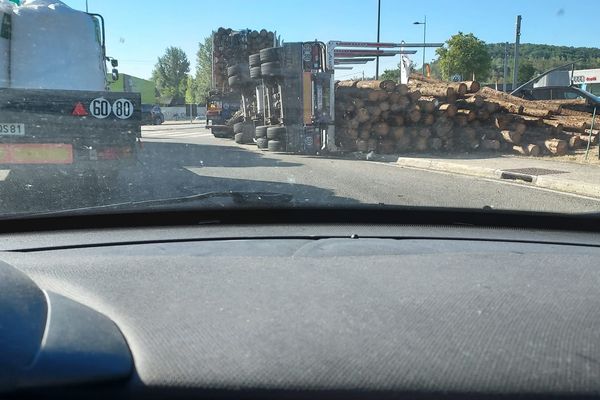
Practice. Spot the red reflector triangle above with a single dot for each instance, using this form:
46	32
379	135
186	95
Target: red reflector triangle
79	110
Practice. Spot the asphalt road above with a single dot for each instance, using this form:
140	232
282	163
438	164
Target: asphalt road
185	159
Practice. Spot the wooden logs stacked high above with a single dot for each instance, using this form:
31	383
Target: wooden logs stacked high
234	47
431	115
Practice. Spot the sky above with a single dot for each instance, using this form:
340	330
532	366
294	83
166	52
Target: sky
139	31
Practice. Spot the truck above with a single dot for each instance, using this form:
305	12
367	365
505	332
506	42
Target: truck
231	96
288	92
57	115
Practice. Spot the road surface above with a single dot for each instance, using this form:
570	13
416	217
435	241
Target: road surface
185	159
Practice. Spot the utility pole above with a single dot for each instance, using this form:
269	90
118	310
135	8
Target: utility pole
517	42
378	29
424	41
86	6
505	67
424	23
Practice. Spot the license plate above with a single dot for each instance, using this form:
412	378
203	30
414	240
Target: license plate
36	153
12	129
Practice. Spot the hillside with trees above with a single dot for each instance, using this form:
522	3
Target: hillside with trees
534	59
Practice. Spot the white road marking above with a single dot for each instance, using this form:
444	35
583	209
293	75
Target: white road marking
4	174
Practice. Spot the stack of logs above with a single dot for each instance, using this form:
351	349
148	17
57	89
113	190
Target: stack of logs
232	47
431	115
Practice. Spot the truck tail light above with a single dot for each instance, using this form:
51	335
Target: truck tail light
115	153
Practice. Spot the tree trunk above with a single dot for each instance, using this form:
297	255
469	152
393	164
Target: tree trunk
556	146
472	86
414	116
380	85
401	89
351	84
511	136
448	109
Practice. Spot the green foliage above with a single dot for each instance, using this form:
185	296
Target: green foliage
190	90
526	71
170	73
542	57
203	76
390	74
465	55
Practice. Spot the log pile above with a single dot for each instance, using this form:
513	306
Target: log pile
234	47
431	115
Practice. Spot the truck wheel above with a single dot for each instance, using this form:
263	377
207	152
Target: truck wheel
262	143
255	73
270	54
271	69
238	127
238	69
261	131
236	81
222	132
275	145
254	60
276	132
243	138
239	138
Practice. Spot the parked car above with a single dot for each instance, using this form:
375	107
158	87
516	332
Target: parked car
152	115
554	91
561	93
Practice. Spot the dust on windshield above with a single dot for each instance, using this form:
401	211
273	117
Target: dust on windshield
296	104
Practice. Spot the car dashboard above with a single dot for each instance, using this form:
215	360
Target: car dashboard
300	311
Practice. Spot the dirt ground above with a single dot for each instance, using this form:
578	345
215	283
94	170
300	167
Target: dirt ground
578	156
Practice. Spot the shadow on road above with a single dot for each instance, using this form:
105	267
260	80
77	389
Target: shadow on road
228	156
159	174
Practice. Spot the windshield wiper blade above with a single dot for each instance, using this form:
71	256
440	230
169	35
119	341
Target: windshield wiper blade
259	199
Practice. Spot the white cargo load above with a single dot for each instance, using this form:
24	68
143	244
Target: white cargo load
53	47
6	12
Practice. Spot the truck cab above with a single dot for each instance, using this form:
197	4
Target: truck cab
56	114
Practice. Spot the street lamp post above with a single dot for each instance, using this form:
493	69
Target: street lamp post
424	23
378	31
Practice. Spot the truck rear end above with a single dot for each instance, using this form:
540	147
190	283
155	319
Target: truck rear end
68	131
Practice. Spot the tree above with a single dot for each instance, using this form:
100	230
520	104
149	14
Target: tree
190	90
203	70
170	73
394	74
526	72
390	75
465	55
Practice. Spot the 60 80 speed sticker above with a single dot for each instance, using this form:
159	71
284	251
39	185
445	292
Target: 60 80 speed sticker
100	108
121	108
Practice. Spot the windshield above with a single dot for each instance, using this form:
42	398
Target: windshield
108	104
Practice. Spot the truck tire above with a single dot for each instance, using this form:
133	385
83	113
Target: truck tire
270	54
276	132
238	127
243	138
254	60
237	81
271	69
222	132
262	143
261	131
255	73
238	69
275	145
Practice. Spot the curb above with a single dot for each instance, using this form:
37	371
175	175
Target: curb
543	181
